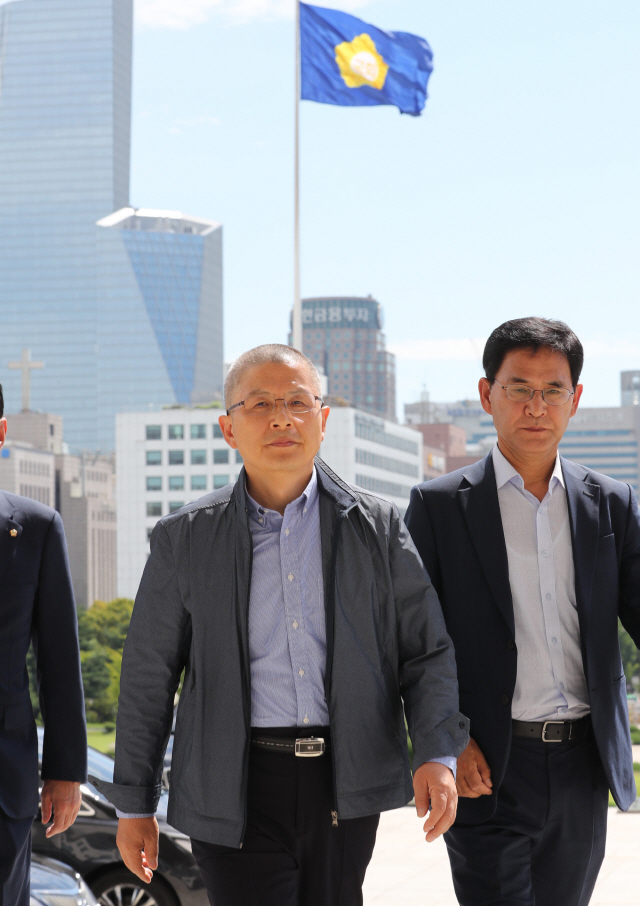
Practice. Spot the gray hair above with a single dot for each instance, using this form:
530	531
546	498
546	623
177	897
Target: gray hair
275	353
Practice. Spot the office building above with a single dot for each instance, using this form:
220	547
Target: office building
65	115
374	453
85	499
344	338
125	308
28	472
630	388
606	440
165	459
160	298
41	430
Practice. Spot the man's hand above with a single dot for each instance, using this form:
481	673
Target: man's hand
63	799
474	774
434	781
137	841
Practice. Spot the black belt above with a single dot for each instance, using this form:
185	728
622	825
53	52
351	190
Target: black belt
305	747
552	730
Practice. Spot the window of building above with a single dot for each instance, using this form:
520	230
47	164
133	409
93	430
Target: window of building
176	482
238	457
219	481
220	457
176	432
154	458
176	457
154	509
154	483
198	457
175	505
217	432
198	482
154	432
198	432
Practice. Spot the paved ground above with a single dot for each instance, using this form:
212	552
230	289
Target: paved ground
406	870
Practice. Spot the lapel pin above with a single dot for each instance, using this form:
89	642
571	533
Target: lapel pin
14	533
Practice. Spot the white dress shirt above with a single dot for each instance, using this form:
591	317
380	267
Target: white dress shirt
550	681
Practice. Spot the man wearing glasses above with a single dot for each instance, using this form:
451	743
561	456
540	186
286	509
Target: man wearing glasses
534	558
303	618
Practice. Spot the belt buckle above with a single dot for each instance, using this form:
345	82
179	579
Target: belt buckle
311	747
544	730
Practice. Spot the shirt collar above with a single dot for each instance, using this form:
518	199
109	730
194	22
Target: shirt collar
260	514
505	472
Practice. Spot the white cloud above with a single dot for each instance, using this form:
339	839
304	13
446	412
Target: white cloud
183	14
449	350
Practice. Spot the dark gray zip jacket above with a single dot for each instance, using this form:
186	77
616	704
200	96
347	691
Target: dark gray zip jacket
386	644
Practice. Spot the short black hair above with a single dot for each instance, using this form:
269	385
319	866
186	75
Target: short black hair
1	402
532	333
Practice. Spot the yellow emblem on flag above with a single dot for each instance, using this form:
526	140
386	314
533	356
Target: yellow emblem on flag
360	63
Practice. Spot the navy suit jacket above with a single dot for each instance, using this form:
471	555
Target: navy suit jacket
456	525
36	604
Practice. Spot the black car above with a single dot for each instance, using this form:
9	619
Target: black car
89	847
55	884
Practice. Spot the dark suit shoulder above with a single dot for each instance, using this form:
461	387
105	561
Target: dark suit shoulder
611	487
208	501
26	508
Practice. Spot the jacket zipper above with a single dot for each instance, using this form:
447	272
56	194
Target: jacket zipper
247	703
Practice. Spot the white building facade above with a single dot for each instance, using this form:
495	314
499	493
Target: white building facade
171	457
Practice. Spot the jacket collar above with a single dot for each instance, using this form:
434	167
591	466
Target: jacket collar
329	484
583	498
478	495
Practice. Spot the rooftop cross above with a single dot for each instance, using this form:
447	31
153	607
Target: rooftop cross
26	366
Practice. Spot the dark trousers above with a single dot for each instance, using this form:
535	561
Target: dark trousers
545	843
292	855
15	860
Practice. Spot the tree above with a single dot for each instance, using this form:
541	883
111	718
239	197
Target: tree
629	653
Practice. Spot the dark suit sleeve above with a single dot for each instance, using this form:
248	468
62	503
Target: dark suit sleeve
55	642
427	667
629	606
421	531
153	658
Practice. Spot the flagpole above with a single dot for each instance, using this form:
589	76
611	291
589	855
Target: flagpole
297	301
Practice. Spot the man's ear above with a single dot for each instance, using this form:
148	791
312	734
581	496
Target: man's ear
3	430
226	426
484	389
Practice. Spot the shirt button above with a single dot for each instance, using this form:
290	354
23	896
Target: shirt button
290	577
554	640
548	596
505	699
260	520
545	553
295	624
305	720
562	710
301	672
561	685
286	531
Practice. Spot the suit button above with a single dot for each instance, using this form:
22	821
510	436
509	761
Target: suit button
462	725
511	644
505	699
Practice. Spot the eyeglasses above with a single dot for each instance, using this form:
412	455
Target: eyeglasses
553	396
297	402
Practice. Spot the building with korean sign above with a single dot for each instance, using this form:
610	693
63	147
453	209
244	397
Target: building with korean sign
344	337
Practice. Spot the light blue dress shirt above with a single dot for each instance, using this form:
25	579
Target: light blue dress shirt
550	680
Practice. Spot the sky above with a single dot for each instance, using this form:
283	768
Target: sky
515	193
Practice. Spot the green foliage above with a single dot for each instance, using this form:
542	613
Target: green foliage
102	630
33	685
629	652
635	737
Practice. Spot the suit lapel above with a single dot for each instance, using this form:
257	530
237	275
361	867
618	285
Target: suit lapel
479	500
8	542
583	499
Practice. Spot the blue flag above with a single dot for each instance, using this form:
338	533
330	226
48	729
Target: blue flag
352	64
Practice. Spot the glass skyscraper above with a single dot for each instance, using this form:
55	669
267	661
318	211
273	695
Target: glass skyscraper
123	308
65	96
160	312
